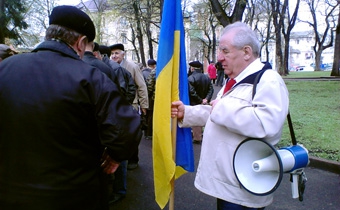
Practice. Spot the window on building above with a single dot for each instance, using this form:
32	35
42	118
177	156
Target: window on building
123	22
124	39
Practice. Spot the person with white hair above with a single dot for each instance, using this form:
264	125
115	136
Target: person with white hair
234	116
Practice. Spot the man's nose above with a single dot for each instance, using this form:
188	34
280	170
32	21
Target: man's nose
219	57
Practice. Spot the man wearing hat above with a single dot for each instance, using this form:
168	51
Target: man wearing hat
5	52
63	124
151	89
91	59
123	76
151	65
141	99
200	92
140	103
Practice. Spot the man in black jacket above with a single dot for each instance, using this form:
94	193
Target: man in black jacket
62	122
123	77
200	92
220	74
91	59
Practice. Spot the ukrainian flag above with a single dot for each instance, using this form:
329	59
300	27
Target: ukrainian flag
171	85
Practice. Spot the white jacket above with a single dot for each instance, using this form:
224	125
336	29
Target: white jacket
234	118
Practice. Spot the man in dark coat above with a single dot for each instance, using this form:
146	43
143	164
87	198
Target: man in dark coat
63	125
90	58
220	74
200	92
151	84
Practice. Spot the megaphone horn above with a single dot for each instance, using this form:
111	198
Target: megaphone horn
259	167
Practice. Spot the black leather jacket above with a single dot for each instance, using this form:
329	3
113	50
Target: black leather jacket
200	87
123	79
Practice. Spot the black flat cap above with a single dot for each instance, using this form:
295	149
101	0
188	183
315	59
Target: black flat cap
95	47
103	49
73	18
195	64
117	46
151	62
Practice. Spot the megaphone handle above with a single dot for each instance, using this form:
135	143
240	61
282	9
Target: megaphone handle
291	129
295	185
302	185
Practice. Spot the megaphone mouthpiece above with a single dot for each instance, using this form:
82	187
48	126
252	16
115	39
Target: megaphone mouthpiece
266	164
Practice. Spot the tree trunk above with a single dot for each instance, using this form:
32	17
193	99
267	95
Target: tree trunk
291	24
278	41
336	60
148	31
139	32
318	60
286	57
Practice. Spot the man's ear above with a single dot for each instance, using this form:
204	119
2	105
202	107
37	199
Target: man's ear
248	51
81	45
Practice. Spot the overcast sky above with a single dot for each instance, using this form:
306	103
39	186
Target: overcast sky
299	27
67	2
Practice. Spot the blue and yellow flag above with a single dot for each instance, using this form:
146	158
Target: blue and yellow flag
171	85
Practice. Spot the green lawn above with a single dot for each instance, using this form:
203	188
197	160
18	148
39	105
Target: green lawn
297	74
315	112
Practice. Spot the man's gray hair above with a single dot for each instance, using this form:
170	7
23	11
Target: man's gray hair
245	37
62	33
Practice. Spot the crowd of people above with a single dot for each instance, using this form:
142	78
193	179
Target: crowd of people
73	113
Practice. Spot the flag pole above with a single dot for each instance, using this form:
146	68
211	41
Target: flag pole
172	182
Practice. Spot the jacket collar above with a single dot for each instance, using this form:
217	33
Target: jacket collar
58	46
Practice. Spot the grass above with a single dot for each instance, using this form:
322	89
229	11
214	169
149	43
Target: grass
315	112
297	74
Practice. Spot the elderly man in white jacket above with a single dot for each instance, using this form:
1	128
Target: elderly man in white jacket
234	116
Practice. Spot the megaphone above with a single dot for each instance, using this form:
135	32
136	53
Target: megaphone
259	167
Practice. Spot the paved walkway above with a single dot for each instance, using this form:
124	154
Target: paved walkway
322	189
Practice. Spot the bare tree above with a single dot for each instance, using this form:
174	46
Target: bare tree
277	21
36	17
213	26
203	28
281	20
323	39
142	15
96	10
259	17
137	14
220	11
150	16
291	20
